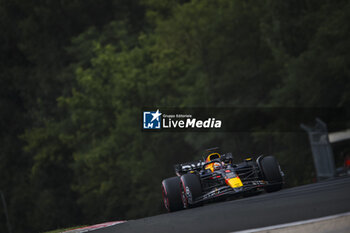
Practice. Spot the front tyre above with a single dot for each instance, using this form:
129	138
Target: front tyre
172	194
191	189
272	173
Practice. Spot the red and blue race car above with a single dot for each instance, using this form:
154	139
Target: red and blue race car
217	177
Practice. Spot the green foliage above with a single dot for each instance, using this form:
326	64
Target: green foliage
76	75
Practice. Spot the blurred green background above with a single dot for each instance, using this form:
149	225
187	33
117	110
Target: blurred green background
75	75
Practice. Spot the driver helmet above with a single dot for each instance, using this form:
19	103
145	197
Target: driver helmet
216	166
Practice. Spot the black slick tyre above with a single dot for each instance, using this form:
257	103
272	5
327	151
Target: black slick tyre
271	173
191	189
171	188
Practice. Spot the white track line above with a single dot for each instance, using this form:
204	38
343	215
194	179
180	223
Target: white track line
293	223
93	227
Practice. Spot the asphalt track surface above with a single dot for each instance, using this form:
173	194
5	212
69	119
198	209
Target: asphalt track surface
288	205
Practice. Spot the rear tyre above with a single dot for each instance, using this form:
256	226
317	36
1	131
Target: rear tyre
172	194
271	173
191	189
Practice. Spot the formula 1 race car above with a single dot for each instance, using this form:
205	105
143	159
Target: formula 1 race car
218	177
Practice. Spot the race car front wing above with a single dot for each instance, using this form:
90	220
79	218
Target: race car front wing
228	191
